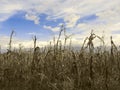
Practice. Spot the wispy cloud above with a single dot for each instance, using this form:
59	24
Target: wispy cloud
33	33
54	29
34	18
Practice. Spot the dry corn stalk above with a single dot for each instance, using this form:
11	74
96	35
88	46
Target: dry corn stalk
113	46
34	39
10	42
62	29
90	39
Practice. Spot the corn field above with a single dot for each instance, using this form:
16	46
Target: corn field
59	67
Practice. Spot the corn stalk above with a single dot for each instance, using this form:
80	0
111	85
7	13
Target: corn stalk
10	42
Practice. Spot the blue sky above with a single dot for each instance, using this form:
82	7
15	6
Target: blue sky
43	19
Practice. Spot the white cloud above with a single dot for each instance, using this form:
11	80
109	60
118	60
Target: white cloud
32	18
71	20
54	29
34	33
110	15
8	9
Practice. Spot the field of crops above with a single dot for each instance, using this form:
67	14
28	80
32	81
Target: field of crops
61	68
